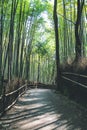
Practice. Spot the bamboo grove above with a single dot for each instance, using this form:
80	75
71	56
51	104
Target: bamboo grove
27	37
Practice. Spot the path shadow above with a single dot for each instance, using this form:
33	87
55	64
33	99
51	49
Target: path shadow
46	110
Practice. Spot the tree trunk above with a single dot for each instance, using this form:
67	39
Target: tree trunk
65	31
18	40
77	28
11	37
23	42
1	34
57	45
21	55
38	76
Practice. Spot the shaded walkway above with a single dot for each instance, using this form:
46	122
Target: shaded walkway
41	109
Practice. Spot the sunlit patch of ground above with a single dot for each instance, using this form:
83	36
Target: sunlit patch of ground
41	109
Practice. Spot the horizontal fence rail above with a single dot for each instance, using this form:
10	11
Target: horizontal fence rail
75	74
75	87
74	82
76	78
9	99
15	90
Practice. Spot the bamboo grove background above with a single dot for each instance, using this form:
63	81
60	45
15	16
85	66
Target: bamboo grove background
27	38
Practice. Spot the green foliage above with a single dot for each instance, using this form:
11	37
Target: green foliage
34	33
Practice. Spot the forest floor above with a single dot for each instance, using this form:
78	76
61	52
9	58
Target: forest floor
43	109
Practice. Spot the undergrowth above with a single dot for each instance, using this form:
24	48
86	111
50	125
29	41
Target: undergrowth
75	67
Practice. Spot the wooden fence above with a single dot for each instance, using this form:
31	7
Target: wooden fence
9	99
75	86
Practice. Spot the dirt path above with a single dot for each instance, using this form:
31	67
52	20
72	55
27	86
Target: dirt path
41	109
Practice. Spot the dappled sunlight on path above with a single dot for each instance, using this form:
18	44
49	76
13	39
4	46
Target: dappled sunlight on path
41	109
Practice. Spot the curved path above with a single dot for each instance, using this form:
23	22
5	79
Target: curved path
41	109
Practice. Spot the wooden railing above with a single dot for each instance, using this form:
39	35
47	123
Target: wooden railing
9	99
74	86
75	74
76	78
